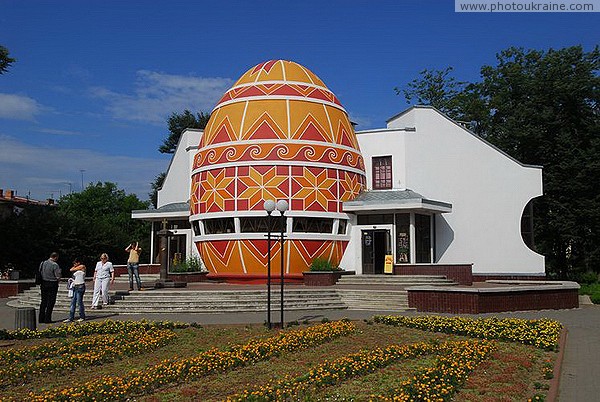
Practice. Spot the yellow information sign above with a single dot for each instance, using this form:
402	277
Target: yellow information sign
388	268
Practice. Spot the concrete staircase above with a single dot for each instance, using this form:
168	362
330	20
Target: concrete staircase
356	292
395	281
195	301
382	292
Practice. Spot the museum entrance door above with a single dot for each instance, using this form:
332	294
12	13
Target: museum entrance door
375	246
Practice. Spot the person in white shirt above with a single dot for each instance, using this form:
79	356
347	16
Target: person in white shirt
78	287
104	275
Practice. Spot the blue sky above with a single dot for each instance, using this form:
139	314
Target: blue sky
95	81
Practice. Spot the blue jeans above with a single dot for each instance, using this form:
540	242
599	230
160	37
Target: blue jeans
78	292
133	269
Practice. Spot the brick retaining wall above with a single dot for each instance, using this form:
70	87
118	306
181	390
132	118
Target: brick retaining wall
13	288
515	296
144	269
460	273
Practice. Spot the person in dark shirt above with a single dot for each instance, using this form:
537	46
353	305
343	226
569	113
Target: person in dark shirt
50	273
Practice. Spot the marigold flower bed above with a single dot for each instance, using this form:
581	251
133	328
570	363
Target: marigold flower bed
171	372
439	381
543	333
21	365
89	328
375	362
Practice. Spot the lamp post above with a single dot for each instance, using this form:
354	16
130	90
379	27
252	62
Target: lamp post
163	234
269	207
282	206
82	170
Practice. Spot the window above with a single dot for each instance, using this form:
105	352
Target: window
312	225
196	226
183	224
527	225
376	219
342	226
402	238
258	224
423	238
382	172
218	226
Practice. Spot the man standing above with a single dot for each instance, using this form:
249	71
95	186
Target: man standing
51	273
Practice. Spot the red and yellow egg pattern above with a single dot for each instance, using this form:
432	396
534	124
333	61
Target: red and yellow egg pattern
278	133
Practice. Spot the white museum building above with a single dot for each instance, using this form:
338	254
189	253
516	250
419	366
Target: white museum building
436	194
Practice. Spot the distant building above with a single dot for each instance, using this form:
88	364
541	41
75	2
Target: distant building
11	203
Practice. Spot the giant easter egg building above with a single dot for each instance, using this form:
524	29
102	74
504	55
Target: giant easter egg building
277	134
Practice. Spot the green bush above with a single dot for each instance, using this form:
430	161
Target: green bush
192	264
593	290
321	264
588	277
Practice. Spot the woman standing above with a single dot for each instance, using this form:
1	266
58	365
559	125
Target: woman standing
133	264
78	270
104	275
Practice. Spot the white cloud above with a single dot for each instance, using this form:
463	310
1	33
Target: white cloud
157	95
67	133
18	107
46	171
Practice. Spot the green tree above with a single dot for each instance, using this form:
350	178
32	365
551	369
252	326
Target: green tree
28	236
98	220
437	88
5	60
542	108
177	124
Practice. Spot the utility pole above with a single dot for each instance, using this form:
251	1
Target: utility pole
82	170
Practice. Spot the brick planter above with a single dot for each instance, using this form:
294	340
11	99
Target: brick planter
321	278
144	269
507	296
12	288
187	277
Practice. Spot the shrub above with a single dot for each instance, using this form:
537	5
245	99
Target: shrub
593	290
588	277
192	264
321	264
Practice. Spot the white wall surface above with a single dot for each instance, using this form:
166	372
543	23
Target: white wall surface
177	184
487	189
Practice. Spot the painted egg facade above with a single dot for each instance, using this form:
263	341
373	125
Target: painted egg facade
279	133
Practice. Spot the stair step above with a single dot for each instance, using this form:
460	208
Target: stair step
387	295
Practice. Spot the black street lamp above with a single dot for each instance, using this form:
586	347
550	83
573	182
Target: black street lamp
269	207
282	206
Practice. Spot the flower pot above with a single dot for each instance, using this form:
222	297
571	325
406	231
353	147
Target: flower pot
321	278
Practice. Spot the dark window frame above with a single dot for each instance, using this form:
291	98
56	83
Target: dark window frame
306	224
382	172
259	224
342	226
218	226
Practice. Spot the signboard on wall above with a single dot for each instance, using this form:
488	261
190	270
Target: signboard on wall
388	268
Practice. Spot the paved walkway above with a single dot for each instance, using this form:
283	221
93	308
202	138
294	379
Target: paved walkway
580	375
